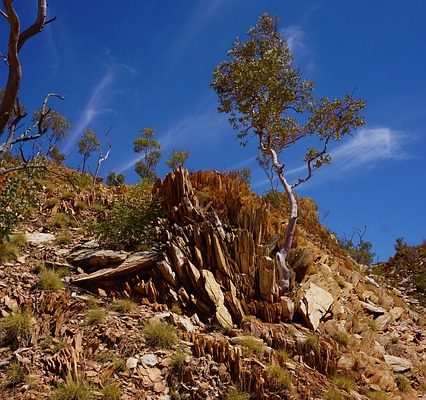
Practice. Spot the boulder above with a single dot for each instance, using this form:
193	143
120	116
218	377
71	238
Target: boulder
38	237
92	260
314	303
398	364
373	309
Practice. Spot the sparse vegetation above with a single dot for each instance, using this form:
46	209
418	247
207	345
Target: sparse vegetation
8	252
282	355
372	324
178	362
111	391
18	239
16	374
131	220
94	316
341	337
280	375
74	390
92	302
403	383
60	220
252	346
344	382
159	334
15	328
312	341
236	394
63	237
377	395
49	279
332	394
124	306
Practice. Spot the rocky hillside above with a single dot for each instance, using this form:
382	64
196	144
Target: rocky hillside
199	315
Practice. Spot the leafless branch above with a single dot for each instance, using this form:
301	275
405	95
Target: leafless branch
101	157
4	15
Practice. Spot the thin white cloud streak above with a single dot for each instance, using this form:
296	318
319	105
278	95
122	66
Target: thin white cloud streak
367	148
94	107
295	38
189	130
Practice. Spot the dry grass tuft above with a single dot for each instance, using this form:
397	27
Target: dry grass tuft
50	280
281	376
236	394
124	306
252	346
111	391
15	328
94	316
74	390
159	334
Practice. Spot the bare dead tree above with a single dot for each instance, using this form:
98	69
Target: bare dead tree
101	157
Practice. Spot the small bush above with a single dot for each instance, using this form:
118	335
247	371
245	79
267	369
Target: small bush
49	279
403	383
332	394
235	394
74	390
124	306
280	375
60	220
160	334
15	375
16	327
252	346
344	382
111	391
178	362
8	252
94	316
131	221
341	337
63	237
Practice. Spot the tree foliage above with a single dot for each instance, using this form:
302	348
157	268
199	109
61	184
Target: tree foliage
151	153
266	96
177	159
88	143
114	179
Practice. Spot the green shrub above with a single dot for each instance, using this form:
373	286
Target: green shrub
332	394
15	375
124	306
360	252
280	375
111	391
18	196
74	390
49	279
236	394
16	327
131	221
94	316
251	346
159	334
343	382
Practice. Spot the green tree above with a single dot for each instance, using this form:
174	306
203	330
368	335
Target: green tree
114	179
88	143
56	155
265	95
177	159
359	249
151	153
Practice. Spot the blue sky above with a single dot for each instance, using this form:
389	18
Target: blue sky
138	64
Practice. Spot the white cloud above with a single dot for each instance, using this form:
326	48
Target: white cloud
191	129
364	150
94	107
295	38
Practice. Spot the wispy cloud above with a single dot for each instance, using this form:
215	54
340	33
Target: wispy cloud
367	148
296	38
191	129
94	107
